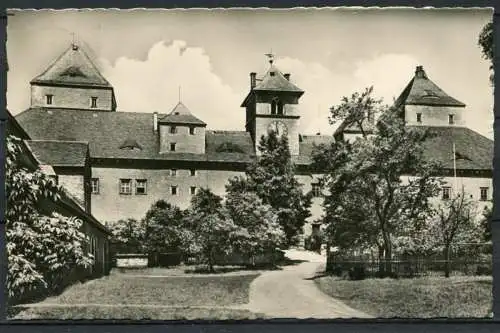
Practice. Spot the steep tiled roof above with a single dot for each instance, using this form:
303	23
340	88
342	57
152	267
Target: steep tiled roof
306	146
473	151
181	115
59	153
274	80
106	132
73	67
422	91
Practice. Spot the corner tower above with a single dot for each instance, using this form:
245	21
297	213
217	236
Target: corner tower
73	81
422	102
271	104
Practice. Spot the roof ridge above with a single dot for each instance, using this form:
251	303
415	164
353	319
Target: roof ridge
61	141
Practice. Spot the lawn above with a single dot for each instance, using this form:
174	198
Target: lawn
414	298
155	297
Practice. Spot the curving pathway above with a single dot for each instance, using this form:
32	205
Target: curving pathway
291	293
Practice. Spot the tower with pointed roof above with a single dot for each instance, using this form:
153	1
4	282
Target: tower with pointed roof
423	103
272	104
73	81
181	132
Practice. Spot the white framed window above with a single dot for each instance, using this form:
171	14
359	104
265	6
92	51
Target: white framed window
483	193
419	117
94	182
191	130
173	172
192	190
125	186
451	119
93	102
192	172
141	186
446	193
316	189
173	190
49	99
173	129
172	146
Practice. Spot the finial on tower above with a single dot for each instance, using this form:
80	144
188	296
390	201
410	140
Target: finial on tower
74	45
270	56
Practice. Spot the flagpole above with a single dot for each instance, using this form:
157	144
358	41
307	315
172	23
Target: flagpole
455	167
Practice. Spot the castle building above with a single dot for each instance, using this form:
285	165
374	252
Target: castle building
136	159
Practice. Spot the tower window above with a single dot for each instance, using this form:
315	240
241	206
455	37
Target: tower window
451	119
280	108
95	185
483	194
172	146
419	117
193	172
141	186
49	99
193	190
275	105
125	186
173	129
191	130
173	172
173	190
93	102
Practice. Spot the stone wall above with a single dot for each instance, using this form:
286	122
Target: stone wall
434	115
70	97
184	141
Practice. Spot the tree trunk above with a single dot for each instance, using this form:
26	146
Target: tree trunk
387	253
447	267
381	267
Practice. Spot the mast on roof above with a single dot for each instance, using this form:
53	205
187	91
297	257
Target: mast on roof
270	56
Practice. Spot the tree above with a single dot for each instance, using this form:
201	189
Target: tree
455	221
164	228
42	246
128	236
258	230
209	229
486	223
485	41
272	178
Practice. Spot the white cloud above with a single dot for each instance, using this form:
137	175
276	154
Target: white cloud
153	85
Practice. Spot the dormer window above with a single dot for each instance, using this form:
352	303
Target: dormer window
451	119
173	129
272	73
93	102
130	144
419	118
49	99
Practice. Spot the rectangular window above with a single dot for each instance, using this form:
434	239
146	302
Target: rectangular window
173	190
191	130
316	189
49	99
193	190
140	186
173	172
192	172
173	129
95	185
125	186
451	119
419	117
172	147
93	102
446	193
484	194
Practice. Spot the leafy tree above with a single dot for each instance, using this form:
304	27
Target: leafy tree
128	236
272	178
485	41
258	231
209	229
454	222
164	224
42	246
486	223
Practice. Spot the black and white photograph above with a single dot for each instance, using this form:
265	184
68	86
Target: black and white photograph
245	164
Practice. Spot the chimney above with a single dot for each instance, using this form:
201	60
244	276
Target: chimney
287	76
155	121
253	80
419	72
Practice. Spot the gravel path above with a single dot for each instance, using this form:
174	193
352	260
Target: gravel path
291	292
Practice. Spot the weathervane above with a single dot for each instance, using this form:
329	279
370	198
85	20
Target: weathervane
270	55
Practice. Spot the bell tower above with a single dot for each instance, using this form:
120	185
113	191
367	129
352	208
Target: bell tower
272	104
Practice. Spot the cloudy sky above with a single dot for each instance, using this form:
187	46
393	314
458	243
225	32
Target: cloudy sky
146	55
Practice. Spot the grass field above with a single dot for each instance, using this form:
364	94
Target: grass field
120	296
414	298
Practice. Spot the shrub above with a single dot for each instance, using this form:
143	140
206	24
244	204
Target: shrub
484	269
357	272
